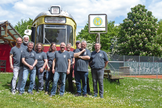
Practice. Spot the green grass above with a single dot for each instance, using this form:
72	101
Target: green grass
131	93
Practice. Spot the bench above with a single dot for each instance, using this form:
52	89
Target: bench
3	65
125	70
110	77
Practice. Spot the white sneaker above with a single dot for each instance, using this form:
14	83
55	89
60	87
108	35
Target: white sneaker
73	81
13	92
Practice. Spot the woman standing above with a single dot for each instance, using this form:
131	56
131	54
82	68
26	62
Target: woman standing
50	57
42	62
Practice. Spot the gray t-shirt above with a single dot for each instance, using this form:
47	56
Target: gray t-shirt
50	57
25	46
30	57
40	58
61	64
16	52
80	64
71	56
98	60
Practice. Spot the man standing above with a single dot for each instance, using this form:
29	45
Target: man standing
68	47
98	62
81	68
61	66
29	60
15	53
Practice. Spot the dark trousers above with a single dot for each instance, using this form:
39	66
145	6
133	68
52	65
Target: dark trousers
70	78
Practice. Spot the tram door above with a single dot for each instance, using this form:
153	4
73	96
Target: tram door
55	33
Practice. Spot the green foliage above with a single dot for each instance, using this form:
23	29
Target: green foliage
137	35
21	26
159	31
105	39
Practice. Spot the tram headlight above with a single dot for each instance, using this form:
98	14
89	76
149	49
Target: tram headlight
55	9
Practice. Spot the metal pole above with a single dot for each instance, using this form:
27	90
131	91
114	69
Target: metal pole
98	38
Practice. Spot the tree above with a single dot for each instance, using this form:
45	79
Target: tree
21	26
159	31
137	35
105	39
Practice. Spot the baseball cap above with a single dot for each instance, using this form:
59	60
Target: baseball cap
77	41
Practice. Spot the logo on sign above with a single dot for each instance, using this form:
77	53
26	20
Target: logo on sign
97	21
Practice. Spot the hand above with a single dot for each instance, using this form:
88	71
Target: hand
11	67
41	70
31	67
83	50
53	71
48	68
68	71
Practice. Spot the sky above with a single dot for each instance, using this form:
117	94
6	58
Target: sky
116	10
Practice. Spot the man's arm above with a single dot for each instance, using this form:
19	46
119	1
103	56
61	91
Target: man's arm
76	55
69	63
53	66
106	64
25	63
11	66
84	57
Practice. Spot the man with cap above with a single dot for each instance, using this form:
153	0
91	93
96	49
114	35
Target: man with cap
98	62
82	56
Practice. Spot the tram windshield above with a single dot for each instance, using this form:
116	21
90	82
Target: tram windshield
55	33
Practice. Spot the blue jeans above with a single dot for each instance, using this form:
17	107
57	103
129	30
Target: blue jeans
25	77
49	75
83	76
55	80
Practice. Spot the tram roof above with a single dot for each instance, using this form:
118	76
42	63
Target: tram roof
8	33
47	13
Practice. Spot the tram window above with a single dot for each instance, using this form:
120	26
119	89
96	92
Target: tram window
70	34
55	35
39	34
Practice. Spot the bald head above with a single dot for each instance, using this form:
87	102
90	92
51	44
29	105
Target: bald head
18	42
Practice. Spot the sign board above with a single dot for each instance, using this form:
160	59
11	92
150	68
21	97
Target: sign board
28	32
55	20
97	23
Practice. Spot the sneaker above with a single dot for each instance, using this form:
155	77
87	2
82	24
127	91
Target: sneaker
31	93
89	93
51	95
13	92
85	95
95	95
46	93
73	81
77	94
20	93
61	95
101	96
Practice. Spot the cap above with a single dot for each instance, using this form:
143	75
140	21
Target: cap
77	41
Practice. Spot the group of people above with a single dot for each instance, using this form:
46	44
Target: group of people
60	65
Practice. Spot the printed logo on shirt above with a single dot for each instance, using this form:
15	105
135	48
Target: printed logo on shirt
100	55
21	51
85	53
39	56
64	56
32	54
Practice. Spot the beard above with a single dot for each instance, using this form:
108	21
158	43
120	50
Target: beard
25	42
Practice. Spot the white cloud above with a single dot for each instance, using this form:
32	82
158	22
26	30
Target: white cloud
156	8
79	9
